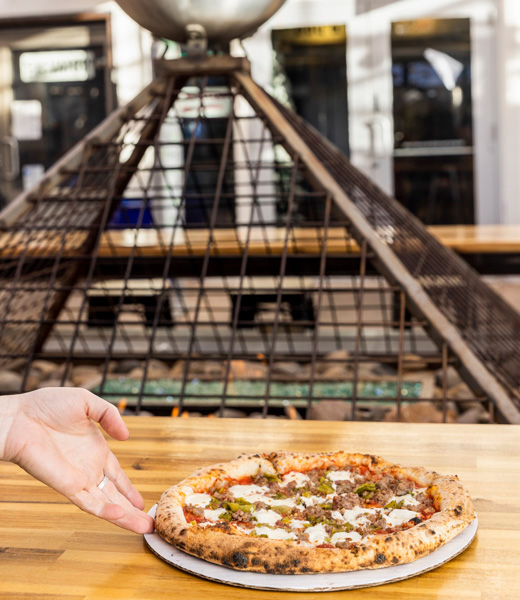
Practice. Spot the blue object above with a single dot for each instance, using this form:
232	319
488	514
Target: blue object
127	214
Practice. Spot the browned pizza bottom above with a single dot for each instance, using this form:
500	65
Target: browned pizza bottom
222	545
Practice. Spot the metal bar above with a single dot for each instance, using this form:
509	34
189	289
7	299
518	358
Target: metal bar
387	261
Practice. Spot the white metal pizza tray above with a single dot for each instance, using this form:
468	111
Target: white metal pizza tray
323	582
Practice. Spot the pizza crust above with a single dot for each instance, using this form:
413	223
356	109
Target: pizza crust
224	545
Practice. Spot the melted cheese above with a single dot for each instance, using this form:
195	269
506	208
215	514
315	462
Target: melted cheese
398	516
199	500
247	491
357	515
297	524
213	515
407	500
336	515
275	534
270	517
300	478
343	535
340	476
317	534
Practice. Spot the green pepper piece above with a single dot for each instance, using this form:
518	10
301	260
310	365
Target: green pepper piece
244	501
366	487
246	507
271	477
286	520
307	494
327	506
279	496
282	509
233	506
227	516
394	504
214	503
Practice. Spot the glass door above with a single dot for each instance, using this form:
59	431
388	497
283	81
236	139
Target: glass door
422	105
55	89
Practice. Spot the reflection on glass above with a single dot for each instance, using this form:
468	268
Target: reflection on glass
433	132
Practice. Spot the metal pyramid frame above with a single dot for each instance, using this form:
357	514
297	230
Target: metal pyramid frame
253	239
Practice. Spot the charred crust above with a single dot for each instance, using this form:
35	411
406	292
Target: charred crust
458	510
388	539
183	531
432	531
380	559
395	560
256	561
416	520
306	570
295	562
240	560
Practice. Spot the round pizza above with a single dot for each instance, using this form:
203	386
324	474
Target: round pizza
312	513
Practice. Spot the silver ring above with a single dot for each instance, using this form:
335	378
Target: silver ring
103	483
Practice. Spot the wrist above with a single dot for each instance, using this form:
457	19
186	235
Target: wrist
9	406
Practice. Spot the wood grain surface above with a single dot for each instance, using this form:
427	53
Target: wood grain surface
50	549
465	239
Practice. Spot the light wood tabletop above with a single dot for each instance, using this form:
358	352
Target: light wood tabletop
464	239
50	549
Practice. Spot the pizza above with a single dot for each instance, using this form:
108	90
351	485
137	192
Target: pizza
290	513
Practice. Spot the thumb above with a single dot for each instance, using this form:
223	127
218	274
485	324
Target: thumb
107	416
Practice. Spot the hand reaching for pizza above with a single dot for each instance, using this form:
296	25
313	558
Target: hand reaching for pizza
51	433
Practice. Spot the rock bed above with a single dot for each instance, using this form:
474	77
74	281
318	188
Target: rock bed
289	389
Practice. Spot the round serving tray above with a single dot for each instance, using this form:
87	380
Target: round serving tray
323	582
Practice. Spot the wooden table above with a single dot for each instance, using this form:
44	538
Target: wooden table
49	549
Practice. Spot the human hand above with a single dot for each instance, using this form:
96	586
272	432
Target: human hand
51	434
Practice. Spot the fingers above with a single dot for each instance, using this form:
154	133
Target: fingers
107	416
112	506
123	484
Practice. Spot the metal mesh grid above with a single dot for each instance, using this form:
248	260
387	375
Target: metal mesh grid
195	241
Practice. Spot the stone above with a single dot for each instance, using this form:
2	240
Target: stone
461	392
125	366
45	366
214	369
337	372
330	410
336	357
10	382
288	369
419	412
474	415
18	365
55	383
244	369
383	370
370	413
414	362
91	384
230	413
82	373
452	377
137	373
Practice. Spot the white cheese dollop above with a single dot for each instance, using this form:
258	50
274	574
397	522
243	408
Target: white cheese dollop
269	517
296	524
300	478
199	500
275	534
343	535
357	515
336	515
213	515
407	500
245	491
340	476
317	534
399	516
